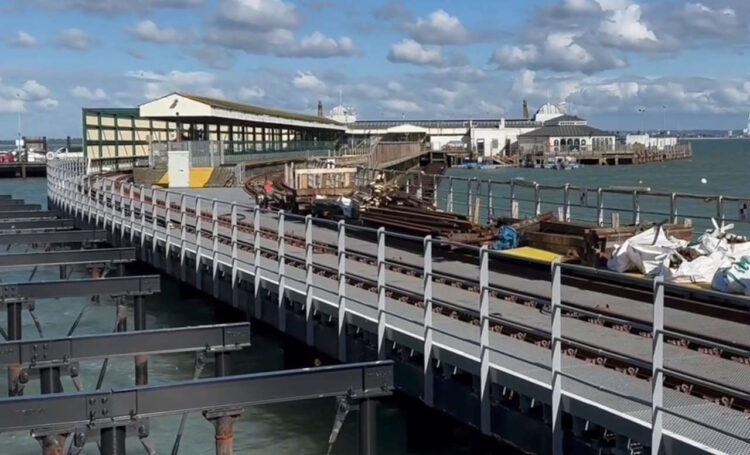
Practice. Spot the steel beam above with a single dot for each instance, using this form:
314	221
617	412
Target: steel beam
68	257
359	381
17	204
27	214
53	237
38	353
126	285
60	223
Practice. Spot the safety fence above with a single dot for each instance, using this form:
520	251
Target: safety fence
520	198
460	314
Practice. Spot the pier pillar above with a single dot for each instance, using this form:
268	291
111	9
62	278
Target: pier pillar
52	444
113	441
15	328
368	428
139	322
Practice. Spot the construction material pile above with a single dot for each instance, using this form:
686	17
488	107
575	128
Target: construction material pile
718	259
421	222
589	245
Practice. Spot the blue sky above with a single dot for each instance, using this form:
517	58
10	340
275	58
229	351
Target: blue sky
605	59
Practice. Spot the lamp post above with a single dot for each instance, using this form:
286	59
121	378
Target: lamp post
642	110
18	141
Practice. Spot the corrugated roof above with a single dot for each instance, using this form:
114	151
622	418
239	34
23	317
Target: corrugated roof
457	123
566	131
257	110
564	118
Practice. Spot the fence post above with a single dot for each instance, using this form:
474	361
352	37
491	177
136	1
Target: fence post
198	242
183	235
657	367
556	345
420	190
381	293
408	183
234	278
537	200
281	272
490	201
673	208
636	208
429	380
215	248
154	224
484	342
566	202
142	190
449	202
132	212
167	230
310	335
469	197
513	199
342	290
256	263
435	191
599	207
720	210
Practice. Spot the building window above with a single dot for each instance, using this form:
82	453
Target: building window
557	142
583	142
577	142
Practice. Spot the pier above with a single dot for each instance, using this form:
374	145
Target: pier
554	359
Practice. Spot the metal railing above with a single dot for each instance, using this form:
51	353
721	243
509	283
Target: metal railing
519	198
142	214
221	153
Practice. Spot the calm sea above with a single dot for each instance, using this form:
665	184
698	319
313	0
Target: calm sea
724	164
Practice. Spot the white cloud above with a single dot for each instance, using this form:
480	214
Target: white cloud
160	84
34	90
395	86
398	105
624	29
410	51
84	93
47	104
115	6
524	83
318	45
147	30
259	14
308	81
560	51
22	39
251	93
74	39
31	95
214	56
438	28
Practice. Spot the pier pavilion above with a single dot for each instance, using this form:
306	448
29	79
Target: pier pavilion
115	133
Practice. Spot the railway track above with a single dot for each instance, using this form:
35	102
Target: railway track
723	395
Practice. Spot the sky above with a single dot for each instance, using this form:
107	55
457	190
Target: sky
621	64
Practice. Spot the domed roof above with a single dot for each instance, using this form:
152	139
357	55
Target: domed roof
343	114
548	112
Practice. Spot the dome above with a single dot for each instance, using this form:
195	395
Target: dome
547	112
342	114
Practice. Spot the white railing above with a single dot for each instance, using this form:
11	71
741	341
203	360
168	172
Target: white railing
595	205
137	213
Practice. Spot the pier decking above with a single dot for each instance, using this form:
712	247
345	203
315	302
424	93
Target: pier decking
356	294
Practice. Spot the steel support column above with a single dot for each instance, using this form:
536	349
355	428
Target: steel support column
368	427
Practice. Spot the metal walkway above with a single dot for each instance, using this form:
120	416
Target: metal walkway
380	300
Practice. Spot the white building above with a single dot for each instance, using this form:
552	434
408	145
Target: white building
659	142
565	134
747	130
343	114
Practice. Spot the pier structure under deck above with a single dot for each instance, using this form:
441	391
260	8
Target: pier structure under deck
546	362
